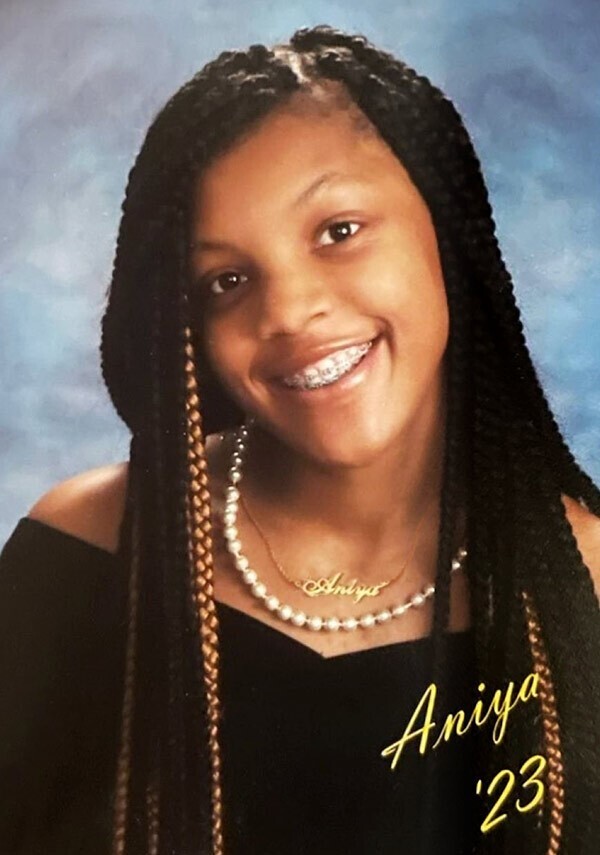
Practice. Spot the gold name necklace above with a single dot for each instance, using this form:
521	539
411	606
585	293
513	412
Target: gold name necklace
334	584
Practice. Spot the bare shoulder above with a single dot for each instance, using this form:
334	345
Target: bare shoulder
586	529
90	506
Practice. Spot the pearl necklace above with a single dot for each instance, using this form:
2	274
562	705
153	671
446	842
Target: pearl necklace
285	612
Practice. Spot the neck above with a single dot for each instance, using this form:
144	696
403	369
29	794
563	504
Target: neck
375	506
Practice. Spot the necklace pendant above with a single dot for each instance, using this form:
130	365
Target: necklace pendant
330	585
335	586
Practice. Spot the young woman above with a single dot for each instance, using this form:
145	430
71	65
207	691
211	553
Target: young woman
345	485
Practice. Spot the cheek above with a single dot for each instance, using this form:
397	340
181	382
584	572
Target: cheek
426	303
406	288
410	304
229	356
428	317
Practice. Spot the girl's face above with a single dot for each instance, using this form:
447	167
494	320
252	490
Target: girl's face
325	312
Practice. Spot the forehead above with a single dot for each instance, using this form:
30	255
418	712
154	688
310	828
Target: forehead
272	165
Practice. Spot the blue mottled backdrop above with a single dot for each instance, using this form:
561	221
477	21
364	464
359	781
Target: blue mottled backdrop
82	79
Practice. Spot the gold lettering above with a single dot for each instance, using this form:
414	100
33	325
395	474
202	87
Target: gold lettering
395	748
534	679
502	704
361	592
335	585
505	708
328	583
446	731
479	721
310	587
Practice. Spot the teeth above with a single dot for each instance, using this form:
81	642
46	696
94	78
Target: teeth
328	370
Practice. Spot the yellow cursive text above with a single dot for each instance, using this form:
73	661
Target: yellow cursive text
329	585
501	706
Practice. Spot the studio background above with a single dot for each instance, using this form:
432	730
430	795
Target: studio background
81	82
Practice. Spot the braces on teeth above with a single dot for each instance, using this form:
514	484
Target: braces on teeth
328	370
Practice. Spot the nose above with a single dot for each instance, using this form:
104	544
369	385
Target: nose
291	301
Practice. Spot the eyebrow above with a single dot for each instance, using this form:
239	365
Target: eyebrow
324	179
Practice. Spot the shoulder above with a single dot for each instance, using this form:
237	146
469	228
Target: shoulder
90	506
586	530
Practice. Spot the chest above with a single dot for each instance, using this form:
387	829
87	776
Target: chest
415	623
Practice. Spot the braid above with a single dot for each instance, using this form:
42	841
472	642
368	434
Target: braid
152	816
173	776
199	529
505	458
552	740
152	788
121	798
452	490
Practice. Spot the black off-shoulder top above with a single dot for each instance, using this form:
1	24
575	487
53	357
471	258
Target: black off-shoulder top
301	735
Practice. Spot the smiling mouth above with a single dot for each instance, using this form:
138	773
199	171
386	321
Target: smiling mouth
328	370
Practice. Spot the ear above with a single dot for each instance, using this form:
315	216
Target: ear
586	529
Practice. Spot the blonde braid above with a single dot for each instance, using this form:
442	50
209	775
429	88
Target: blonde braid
201	569
124	757
152	814
550	726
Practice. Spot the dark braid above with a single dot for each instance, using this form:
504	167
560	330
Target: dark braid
171	596
130	549
505	461
452	495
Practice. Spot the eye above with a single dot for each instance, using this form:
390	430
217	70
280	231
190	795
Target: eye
339	232
225	282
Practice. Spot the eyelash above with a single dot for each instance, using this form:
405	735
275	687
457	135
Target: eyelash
208	283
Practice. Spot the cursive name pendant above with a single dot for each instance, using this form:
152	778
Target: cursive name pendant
334	585
330	585
285	612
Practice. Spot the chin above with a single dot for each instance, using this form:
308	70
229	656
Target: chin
341	449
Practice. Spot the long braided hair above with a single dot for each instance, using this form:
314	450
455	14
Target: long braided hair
502	443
